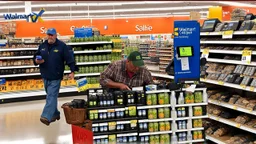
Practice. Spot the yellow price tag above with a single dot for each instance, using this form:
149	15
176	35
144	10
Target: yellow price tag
238	125
112	123
133	123
246	53
220	82
207	33
245	31
206	51
230	32
112	138
252	88
218	119
243	86
111	110
235	107
93	111
116	50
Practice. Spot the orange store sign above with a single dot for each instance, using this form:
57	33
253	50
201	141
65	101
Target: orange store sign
114	26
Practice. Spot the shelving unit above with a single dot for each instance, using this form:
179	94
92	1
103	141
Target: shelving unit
209	48
173	119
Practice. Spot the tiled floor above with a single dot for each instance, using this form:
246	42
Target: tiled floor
20	124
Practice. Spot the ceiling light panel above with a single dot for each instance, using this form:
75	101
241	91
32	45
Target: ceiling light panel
130	10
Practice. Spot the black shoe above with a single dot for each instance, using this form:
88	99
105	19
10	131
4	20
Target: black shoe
55	118
45	121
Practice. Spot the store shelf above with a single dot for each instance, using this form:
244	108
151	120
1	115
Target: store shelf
194	117
106	107
16	67
16	57
94	51
191	141
249	32
162	75
19	75
193	129
9	95
88	74
153	106
231	106
126	134
237	52
230	61
154	133
192	104
165	59
100	137
94	63
246	88
213	139
231	122
89	43
155	120
229	42
113	120
118	133
157	91
16	49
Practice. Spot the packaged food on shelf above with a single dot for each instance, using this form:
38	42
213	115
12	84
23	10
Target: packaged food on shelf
198	111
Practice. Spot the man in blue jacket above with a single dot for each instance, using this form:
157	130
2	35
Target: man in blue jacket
51	57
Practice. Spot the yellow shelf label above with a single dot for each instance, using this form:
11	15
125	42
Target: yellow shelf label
243	86
246	53
111	110
245	31
220	82
116	50
235	107
252	88
112	123
230	32
206	51
238	125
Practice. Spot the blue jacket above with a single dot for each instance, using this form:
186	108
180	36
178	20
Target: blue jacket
55	57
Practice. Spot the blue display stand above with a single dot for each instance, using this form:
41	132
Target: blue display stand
186	51
82	32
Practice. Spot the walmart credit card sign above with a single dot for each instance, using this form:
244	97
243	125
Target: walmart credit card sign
32	17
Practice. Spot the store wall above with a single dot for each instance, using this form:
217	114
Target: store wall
114	26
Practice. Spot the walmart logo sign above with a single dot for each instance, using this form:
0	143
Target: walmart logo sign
33	17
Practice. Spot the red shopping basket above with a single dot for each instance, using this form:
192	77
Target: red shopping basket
81	135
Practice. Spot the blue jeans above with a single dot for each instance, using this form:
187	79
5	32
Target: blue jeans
52	88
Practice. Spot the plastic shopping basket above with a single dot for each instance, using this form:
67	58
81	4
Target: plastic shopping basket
81	135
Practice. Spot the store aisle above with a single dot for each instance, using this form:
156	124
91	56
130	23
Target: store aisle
20	124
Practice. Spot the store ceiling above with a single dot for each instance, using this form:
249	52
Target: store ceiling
113	9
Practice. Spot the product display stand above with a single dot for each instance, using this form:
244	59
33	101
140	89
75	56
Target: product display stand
153	119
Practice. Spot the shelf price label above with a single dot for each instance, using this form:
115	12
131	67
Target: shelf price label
238	125
243	86
246	56
220	82
252	88
227	34
235	107
205	53
245	31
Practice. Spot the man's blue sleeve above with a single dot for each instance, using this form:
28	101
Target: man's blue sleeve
69	58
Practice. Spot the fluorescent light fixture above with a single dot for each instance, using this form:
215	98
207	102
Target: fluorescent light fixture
237	4
7	2
129	10
201	12
13	7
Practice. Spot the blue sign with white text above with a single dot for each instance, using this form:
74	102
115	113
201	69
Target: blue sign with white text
83	32
186	51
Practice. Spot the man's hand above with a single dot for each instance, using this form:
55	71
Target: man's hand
123	87
71	75
39	61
